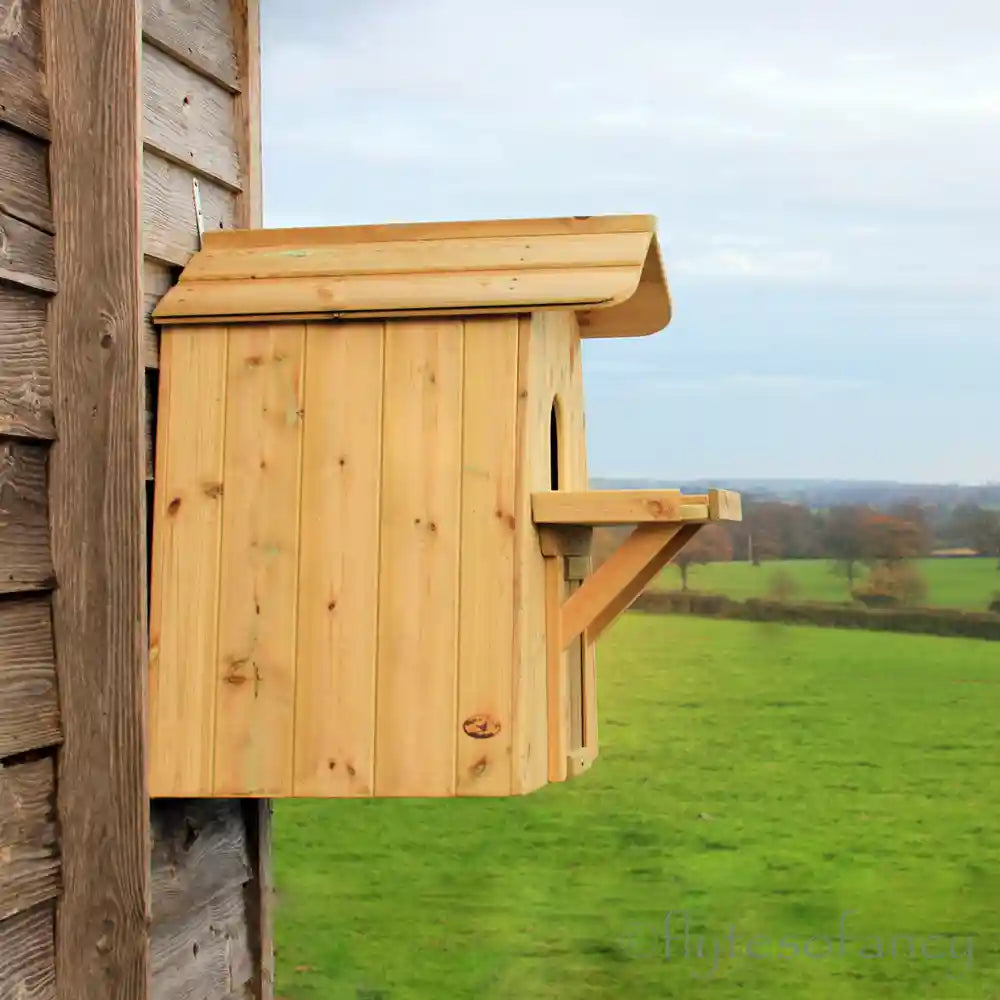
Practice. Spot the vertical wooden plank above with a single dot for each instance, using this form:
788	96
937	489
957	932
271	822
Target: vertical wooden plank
188	517
530	765
97	499
339	561
486	631
418	565
249	209
259	564
558	687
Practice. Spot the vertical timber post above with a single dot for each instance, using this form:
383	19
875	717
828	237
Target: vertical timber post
97	499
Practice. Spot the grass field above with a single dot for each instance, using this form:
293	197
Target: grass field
955	583
764	779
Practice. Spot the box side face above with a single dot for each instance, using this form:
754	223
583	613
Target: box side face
419	579
549	380
483	726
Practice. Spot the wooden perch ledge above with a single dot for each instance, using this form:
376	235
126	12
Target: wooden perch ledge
666	521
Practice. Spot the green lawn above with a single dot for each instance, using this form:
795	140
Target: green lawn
957	583
763	778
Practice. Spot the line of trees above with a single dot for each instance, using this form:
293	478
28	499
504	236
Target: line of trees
853	537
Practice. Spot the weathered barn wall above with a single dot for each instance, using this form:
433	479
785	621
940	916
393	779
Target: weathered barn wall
71	508
200	121
29	714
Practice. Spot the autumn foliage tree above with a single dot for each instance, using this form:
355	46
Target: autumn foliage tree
711	544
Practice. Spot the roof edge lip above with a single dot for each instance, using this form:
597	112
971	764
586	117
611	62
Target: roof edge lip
606	269
220	239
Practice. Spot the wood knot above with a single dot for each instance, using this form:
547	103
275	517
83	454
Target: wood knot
479	768
174	506
481	726
212	490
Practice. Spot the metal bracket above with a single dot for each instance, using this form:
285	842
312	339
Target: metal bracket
199	219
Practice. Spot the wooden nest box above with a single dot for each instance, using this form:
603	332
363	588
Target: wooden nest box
371	570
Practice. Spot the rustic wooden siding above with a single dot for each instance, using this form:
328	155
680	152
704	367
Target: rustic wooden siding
30	729
210	937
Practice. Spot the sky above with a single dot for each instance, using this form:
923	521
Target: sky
826	178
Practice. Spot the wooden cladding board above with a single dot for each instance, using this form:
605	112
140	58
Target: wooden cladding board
25	377
315	629
27	955
29	710
25	556
24	178
188	118
200	872
23	101
199	33
170	232
29	856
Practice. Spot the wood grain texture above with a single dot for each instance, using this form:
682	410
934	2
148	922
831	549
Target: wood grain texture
157	277
188	118
199	851
27	955
25	379
27	255
29	709
24	179
23	100
203	954
184	621
419	560
338	570
534	403
29	850
259	564
25	557
170	233
97	499
246	28
199	33
486	638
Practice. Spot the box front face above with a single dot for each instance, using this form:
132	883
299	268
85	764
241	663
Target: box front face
333	581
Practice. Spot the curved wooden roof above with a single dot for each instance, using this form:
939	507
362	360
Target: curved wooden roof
605	268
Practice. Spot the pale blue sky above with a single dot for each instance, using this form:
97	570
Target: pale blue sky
825	177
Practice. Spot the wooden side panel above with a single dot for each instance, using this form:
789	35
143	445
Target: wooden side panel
25	382
22	67
339	561
97	499
29	710
27	955
25	559
550	371
188	118
184	622
486	639
199	33
419	569
256	667
29	855
24	178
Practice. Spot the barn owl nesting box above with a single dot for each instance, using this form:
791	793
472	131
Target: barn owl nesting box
371	571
